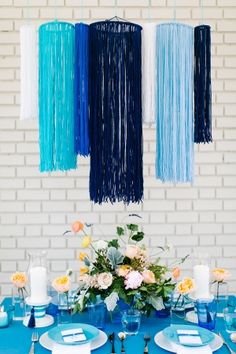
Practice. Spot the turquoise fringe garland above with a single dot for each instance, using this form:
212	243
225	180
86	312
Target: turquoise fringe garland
56	96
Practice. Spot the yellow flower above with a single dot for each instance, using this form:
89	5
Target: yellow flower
19	279
62	284
83	270
123	270
86	241
186	286
220	274
82	256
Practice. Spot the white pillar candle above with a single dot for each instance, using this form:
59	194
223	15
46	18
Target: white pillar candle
38	284
201	275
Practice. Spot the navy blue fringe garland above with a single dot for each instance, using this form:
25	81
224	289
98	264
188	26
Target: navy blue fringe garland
202	85
116	171
81	104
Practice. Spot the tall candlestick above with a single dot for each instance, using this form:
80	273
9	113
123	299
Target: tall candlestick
201	275
38	284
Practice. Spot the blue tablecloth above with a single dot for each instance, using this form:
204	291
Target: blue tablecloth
16	339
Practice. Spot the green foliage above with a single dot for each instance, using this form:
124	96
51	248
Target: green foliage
138	236
113	243
120	231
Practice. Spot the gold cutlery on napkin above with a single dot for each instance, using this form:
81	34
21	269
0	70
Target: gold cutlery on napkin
34	339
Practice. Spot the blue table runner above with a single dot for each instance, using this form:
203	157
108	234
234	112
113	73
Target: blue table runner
16	339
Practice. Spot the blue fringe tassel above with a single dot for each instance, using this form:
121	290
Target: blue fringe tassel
174	160
202	85
56	96
116	172
81	104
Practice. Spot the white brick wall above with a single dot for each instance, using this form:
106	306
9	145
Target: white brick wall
37	208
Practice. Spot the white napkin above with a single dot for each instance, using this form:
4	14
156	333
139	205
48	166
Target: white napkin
71	349
180	349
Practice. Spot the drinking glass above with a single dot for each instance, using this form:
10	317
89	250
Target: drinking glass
97	314
206	313
230	319
131	320
64	309
178	308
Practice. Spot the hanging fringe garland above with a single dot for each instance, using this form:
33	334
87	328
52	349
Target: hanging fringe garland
29	74
174	161
81	105
116	117
149	72
56	94
202	84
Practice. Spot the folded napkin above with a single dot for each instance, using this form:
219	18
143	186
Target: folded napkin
180	349
71	349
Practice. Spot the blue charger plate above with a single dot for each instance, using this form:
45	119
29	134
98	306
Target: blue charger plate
171	334
90	333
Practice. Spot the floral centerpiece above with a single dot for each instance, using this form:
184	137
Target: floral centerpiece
122	269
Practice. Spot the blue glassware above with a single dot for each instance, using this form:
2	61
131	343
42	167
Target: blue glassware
97	313
206	312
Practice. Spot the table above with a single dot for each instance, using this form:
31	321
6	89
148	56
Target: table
16	339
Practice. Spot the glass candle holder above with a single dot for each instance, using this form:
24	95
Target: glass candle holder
206	313
131	320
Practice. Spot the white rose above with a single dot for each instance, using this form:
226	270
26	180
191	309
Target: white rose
104	280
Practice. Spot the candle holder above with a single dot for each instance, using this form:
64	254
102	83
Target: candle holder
38	299
41	318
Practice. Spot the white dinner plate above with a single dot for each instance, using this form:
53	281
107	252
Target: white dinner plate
47	343
163	342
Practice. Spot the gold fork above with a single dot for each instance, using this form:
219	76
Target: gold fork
34	339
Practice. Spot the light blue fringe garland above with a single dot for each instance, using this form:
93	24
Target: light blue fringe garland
56	96
174	155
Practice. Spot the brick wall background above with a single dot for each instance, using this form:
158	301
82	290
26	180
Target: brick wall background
36	208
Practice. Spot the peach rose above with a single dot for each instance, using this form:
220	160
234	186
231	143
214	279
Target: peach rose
176	273
132	251
186	286
77	226
148	276
62	284
220	274
19	279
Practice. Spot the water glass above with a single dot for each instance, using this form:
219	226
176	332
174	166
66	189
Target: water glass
18	303
64	309
221	293
131	320
97	314
177	308
230	319
206	313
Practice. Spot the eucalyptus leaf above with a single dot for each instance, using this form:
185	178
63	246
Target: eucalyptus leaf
156	302
86	262
114	256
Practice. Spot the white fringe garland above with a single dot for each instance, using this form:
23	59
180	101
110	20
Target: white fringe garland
29	72
149	67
